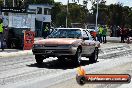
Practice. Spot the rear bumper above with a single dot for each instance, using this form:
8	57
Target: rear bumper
55	52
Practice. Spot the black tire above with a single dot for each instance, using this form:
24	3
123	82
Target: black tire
13	46
77	57
39	59
93	58
61	59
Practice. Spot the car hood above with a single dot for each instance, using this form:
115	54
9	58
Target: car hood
57	41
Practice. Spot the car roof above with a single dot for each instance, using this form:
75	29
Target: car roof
72	28
90	29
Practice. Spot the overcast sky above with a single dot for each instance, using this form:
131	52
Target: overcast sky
125	2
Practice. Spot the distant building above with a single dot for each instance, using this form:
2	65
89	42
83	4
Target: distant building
43	16
43	12
35	17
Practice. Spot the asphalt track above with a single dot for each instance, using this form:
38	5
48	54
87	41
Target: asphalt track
23	72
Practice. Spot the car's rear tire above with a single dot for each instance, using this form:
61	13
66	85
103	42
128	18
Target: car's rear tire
93	58
39	59
77	57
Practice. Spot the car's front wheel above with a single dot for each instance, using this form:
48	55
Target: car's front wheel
39	59
61	59
93	58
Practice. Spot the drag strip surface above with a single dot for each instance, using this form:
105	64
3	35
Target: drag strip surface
23	72
59	76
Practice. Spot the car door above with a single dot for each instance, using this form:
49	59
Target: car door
91	42
85	43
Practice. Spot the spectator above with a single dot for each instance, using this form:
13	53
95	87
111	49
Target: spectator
118	31
94	35
46	31
6	32
110	31
130	32
104	33
1	35
129	35
122	33
126	33
100	34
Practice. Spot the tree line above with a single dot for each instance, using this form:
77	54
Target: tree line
113	14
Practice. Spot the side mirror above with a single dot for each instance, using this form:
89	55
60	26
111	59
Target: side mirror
85	38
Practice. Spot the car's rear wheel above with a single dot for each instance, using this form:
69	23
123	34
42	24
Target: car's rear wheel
77	57
39	59
93	58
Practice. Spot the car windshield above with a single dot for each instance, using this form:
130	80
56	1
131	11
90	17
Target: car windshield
65	33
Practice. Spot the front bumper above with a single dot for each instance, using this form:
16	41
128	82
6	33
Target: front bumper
55	52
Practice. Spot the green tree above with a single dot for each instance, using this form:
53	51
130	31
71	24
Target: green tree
56	14
26	2
40	1
1	2
76	14
114	14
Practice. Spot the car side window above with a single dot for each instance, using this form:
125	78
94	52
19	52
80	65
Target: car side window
85	34
89	35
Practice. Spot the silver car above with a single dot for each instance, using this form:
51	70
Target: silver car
67	43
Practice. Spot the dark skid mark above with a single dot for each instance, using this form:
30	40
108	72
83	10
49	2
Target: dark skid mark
55	64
